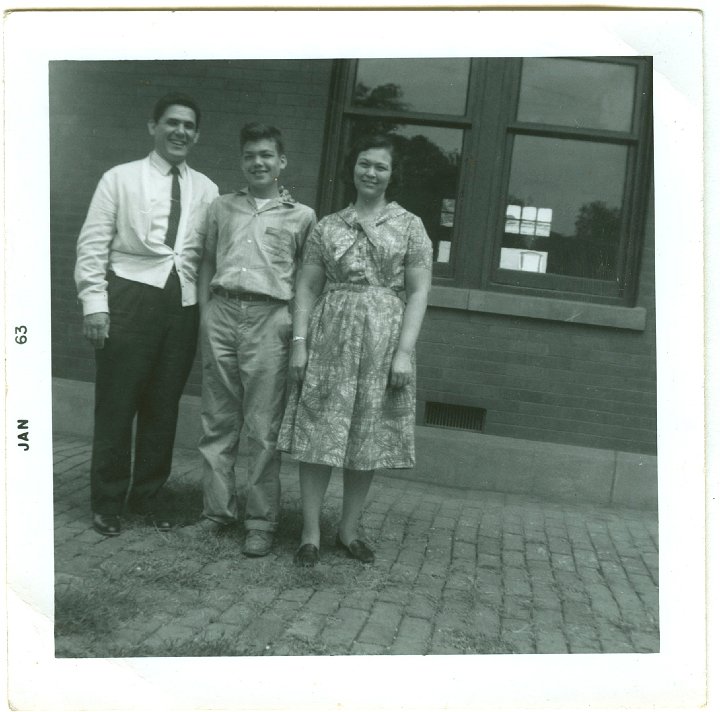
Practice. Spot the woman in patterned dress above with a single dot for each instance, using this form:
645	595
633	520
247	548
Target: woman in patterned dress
352	403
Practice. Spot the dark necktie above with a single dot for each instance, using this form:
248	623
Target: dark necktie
174	217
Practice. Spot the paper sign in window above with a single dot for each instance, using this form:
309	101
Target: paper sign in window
512	219
528	220
443	251
544	222
523	260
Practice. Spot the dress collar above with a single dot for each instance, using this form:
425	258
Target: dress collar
350	216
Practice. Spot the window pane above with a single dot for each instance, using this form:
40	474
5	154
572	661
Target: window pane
564	207
582	94
437	86
431	164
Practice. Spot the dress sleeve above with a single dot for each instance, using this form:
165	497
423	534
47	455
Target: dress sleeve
419	249
313	253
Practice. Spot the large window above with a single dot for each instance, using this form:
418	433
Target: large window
531	175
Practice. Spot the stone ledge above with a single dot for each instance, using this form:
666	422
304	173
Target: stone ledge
633	318
563	473
553	471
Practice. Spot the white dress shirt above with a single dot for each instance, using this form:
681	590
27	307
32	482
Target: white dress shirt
126	226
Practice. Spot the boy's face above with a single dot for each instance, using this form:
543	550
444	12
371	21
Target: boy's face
261	166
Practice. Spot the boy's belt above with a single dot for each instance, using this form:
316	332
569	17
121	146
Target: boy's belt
244	296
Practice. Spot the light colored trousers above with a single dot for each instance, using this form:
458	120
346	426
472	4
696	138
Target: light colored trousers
245	349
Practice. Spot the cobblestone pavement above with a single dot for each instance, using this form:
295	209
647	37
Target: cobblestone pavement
457	572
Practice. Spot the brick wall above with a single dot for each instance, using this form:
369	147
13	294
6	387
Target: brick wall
537	379
98	118
546	380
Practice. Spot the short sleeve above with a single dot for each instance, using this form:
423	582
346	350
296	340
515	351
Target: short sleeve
303	233
211	228
312	254
419	249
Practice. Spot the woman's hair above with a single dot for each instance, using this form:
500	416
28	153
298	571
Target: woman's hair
378	140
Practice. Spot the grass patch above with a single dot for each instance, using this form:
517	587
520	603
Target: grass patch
176	572
92	609
153	576
222	646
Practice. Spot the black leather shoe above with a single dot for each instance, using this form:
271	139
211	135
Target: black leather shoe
356	549
307	555
106	524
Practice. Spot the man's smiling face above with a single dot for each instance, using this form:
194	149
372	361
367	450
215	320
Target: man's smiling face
175	133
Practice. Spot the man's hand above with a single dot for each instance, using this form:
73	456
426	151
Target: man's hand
96	328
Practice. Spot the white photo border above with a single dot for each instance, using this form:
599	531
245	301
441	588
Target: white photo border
673	678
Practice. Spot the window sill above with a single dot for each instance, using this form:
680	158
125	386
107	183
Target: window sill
633	318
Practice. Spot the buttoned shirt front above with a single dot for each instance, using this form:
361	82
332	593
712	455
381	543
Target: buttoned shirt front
126	226
257	249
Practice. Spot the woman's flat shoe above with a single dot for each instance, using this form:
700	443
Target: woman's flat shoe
356	549
307	555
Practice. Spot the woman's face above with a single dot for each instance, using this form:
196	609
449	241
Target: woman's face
373	169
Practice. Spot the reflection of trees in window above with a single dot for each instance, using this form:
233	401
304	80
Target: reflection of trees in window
386	96
591	252
429	173
597	234
595	221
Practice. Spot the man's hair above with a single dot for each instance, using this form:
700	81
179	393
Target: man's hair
175	99
377	140
256	131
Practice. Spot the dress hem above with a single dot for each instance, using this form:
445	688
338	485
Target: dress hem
406	465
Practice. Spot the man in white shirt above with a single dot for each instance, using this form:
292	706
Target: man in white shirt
136	273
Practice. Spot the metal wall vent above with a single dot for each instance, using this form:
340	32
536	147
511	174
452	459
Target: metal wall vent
460	417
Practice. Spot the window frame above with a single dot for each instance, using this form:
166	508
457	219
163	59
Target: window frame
490	125
634	200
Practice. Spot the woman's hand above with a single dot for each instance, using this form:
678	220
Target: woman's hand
401	370
298	361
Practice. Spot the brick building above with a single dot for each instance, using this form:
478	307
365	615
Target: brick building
533	178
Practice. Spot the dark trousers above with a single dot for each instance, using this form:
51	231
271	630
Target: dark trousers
140	372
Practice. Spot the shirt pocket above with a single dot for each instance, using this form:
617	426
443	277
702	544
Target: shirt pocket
278	244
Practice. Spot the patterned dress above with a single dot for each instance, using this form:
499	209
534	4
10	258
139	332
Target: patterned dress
344	413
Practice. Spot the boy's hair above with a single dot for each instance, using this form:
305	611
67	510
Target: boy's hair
256	131
175	99
377	140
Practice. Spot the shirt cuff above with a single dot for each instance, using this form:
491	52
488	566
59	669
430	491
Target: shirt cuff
96	303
